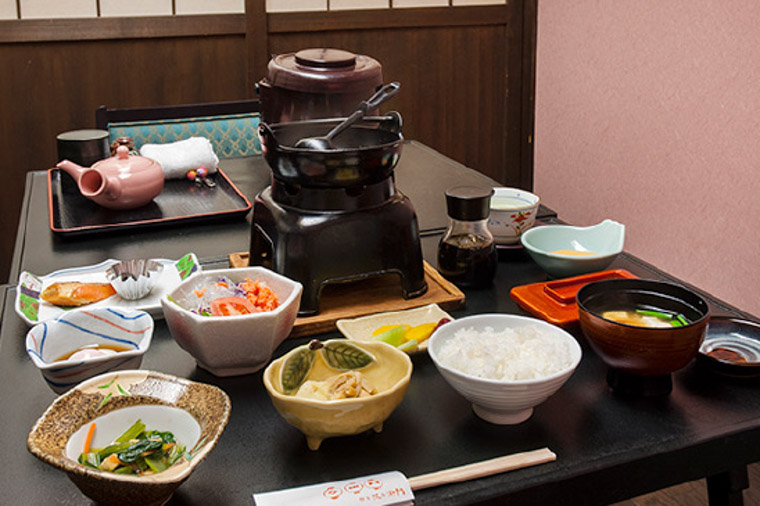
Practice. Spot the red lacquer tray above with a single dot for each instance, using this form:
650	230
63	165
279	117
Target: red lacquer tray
554	301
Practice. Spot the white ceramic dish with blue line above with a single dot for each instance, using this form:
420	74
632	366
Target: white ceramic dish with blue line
129	330
563	251
32	309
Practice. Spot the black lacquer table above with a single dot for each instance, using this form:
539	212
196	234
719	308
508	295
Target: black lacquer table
608	448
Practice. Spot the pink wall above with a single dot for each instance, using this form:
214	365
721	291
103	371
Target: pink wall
648	112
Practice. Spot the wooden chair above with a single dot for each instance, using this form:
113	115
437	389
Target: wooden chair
232	127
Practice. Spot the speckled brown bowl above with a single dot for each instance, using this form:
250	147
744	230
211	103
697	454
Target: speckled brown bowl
642	351
207	404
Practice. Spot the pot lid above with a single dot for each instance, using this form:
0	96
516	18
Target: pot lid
123	159
324	70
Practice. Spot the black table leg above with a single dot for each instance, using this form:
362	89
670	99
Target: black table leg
726	489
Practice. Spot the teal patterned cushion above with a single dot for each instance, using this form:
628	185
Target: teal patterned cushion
232	136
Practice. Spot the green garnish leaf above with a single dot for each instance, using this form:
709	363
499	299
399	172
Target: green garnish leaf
344	355
105	399
656	314
681	318
295	369
108	384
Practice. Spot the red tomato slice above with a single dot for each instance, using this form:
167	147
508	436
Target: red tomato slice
231	306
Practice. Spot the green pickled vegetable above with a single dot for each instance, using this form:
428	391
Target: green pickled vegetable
409	346
394	336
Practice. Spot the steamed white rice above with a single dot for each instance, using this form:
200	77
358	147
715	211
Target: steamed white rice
522	353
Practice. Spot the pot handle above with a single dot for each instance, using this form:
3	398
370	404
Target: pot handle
391	122
266	135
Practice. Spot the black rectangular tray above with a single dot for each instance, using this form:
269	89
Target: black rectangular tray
181	201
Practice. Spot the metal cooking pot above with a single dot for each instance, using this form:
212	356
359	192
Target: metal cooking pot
316	83
365	153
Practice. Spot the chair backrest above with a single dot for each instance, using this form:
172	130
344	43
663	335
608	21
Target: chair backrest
232	127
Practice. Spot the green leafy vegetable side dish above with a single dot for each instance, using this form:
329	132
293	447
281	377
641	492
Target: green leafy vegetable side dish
136	452
296	368
345	356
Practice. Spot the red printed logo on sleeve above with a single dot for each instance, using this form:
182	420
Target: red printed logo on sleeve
354	487
332	493
374	484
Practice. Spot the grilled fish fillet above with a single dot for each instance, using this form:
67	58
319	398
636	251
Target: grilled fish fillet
74	293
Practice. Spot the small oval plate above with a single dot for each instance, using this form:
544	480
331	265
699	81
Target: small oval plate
360	329
732	347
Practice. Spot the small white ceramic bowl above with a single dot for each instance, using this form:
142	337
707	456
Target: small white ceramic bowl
503	402
563	251
513	211
232	345
103	326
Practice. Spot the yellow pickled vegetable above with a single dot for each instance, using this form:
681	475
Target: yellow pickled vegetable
385	328
420	332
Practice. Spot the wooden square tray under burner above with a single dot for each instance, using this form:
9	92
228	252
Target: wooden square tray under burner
378	295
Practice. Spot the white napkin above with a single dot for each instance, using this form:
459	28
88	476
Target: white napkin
177	158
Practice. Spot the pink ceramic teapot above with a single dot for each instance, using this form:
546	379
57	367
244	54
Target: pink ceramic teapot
119	182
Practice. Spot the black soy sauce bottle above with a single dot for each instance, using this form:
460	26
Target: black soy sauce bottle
467	253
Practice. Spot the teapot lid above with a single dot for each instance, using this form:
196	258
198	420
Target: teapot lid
122	159
324	70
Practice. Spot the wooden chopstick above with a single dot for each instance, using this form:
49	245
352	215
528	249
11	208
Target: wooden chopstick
483	468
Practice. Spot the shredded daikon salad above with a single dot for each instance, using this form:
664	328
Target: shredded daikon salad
523	353
227	298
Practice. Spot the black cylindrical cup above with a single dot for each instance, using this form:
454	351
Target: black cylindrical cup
83	147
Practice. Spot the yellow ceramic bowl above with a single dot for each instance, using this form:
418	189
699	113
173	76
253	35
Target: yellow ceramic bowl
317	419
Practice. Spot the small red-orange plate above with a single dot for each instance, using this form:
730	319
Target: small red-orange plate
554	301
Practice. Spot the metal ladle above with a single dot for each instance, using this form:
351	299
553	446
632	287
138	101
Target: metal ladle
325	142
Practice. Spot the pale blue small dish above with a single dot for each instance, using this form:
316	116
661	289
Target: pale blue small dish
563	250
123	334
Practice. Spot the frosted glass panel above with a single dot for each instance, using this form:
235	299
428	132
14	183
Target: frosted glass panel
337	5
210	6
296	5
8	9
58	9
120	8
420	3
479	2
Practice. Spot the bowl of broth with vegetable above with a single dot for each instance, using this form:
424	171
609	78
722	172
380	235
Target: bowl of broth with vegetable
83	343
642	327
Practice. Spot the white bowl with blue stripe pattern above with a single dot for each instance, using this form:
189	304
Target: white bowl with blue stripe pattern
106	326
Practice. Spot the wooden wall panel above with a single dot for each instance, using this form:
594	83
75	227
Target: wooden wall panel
50	88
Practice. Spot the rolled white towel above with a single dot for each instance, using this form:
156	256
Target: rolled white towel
177	158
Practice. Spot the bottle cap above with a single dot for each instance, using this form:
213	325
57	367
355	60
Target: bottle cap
468	203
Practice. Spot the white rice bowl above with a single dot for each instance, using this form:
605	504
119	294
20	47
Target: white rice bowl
519	353
504	364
